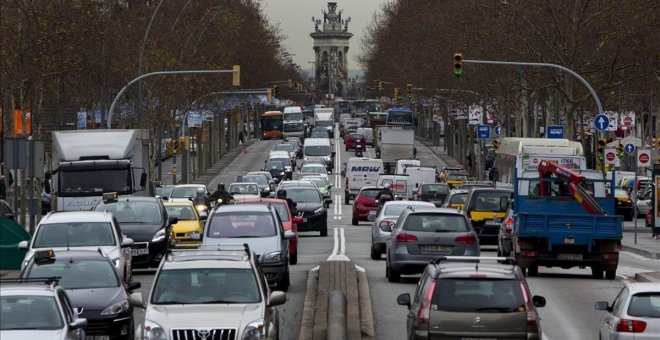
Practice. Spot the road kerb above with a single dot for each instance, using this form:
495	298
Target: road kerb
642	252
366	315
309	306
648	277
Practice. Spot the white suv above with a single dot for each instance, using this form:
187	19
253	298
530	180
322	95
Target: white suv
211	294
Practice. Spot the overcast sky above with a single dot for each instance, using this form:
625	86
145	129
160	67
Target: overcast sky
294	18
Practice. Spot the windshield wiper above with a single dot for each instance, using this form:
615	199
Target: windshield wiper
499	309
217	301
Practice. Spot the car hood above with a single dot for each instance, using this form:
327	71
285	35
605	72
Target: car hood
186	226
197	315
113	252
311	206
140	231
95	299
179	200
260	245
22	334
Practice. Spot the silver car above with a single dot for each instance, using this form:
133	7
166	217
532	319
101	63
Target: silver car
385	219
423	234
634	314
644	203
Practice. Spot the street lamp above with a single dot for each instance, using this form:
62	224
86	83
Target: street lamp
141	64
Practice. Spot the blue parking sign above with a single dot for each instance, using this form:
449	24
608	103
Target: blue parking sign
483	131
554	131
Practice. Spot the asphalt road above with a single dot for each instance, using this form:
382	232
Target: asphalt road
571	294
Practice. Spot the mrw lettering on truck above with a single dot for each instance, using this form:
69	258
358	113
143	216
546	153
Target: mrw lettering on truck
70	203
365	168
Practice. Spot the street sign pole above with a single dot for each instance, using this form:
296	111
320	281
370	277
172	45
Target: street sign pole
643	161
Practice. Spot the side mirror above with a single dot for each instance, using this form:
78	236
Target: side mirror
126	242
133	285
333	154
23	245
404	300
602	305
276	298
538	301
136	300
297	220
372	216
289	235
143	180
174	220
327	201
78	323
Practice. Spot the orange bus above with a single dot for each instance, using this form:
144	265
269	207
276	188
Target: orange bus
271	124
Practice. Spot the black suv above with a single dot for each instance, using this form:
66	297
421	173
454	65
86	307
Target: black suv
486	208
472	297
432	192
312	207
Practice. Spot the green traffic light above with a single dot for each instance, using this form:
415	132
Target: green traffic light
458	73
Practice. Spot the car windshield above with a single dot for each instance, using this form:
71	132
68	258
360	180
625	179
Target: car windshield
284	161
164	191
395	210
74	234
435	188
324	123
29	312
181	212
457	178
304	195
241	225
492	201
458	198
370	193
434	222
645	305
284	147
463	295
317	150
313	169
320	182
259	179
206	286
184	192
133	211
77	274
274	166
244	189
319	134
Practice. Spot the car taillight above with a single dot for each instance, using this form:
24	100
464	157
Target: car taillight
386	225
532	317
631	326
466	239
424	313
508	226
405	237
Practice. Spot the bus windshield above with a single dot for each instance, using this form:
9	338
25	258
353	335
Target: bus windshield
271	123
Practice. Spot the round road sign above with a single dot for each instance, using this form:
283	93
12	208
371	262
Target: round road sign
643	158
610	156
627	120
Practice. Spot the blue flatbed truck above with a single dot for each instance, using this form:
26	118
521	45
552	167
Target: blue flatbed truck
565	218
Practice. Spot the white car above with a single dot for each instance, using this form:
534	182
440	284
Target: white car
82	230
242	190
186	192
644	203
313	169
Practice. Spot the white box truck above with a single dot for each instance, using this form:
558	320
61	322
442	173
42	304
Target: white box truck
394	143
360	172
88	163
324	117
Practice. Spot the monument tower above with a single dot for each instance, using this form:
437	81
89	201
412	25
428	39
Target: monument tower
331	50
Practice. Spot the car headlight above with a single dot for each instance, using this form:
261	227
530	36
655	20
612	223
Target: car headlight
318	211
160	235
282	173
116	262
116	308
254	330
276	256
153	331
200	208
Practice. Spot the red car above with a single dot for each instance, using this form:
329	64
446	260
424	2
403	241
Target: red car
353	139
288	222
364	203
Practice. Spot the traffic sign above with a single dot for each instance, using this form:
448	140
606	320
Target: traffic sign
555	131
601	122
627	121
498	130
483	131
643	158
610	156
629	148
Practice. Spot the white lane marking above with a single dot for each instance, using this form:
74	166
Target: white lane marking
339	248
626	272
339	204
638	257
335	246
342	248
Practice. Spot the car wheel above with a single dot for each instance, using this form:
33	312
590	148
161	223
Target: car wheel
324	229
533	270
375	254
596	272
293	257
354	220
347	199
283	285
392	275
610	274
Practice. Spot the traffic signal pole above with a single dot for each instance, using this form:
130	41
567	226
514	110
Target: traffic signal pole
565	69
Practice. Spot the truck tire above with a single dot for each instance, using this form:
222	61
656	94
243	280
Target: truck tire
347	198
610	274
375	254
596	272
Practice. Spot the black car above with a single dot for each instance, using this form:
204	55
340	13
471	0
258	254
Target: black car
486	209
505	235
311	207
144	220
432	192
276	169
94	288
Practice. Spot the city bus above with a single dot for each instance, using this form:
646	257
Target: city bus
271	124
521	154
377	118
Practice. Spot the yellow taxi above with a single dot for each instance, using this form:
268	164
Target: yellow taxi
455	179
189	223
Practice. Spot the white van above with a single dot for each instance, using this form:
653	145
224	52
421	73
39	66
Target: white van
398	183
360	172
368	134
319	147
401	164
418	175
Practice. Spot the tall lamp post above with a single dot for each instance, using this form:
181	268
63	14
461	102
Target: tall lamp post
141	64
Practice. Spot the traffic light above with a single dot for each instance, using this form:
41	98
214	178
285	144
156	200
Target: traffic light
397	92
619	150
170	148
601	152
409	90
655	143
376	82
381	85
496	143
458	65
290	83
276	91
236	76
269	94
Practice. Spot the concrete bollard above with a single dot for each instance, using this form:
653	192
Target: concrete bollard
337	328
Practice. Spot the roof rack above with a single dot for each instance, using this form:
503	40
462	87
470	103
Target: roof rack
477	259
51	281
230	247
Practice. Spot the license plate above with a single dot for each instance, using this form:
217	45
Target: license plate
569	240
97	337
569	256
436	249
139	251
491	222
